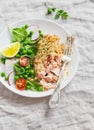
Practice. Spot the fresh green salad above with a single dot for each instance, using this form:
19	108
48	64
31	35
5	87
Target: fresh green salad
24	73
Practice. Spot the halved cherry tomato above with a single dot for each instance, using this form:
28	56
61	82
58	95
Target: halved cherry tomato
24	61
21	83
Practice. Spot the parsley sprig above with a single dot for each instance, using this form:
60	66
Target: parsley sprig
58	13
49	9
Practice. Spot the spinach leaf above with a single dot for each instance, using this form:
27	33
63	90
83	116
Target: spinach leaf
19	34
18	69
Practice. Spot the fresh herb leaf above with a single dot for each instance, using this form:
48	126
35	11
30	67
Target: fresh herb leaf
19	34
57	16
49	9
3	59
59	13
53	9
65	15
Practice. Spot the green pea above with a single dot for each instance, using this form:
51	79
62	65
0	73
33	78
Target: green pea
3	74
27	67
6	78
27	71
32	65
32	76
41	34
26	26
21	76
28	87
26	42
24	51
22	48
18	56
16	77
31	71
40	88
29	51
40	31
30	34
25	76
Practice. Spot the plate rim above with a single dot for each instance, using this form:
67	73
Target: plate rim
42	94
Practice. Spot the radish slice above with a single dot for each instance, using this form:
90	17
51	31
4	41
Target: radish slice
35	35
9	65
11	78
32	27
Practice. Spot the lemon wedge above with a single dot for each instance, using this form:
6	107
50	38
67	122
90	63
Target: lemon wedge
11	50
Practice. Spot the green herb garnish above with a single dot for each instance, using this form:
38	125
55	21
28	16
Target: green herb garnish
49	9
59	13
3	59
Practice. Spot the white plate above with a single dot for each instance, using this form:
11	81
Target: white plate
48	27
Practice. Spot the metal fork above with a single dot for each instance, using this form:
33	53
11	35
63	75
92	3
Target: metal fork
70	40
54	100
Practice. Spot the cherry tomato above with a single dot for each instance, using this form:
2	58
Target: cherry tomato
24	61
21	83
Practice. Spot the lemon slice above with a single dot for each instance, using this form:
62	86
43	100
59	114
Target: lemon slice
11	50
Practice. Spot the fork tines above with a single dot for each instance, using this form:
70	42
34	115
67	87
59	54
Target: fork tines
70	40
68	50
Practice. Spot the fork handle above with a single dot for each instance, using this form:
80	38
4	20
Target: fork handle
55	98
